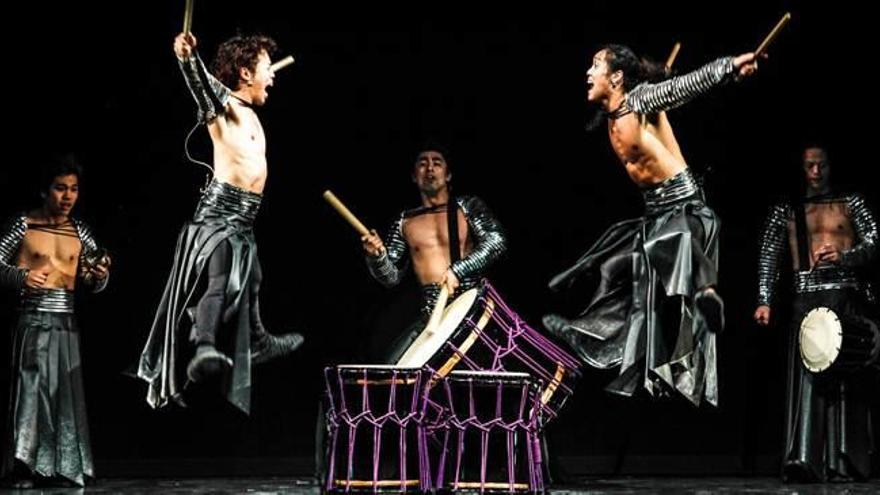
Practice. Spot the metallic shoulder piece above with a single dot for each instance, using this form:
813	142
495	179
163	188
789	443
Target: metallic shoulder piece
489	240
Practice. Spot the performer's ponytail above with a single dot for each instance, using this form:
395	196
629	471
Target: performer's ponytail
652	72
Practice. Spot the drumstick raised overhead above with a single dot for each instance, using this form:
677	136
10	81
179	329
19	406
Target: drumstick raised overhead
346	213
671	59
188	16
770	37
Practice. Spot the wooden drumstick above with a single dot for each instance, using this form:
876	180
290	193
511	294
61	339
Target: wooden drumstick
346	213
770	37
671	59
188	16
437	313
284	62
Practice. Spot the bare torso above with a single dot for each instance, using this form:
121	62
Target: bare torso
647	147
239	148
828	223
53	250
428	238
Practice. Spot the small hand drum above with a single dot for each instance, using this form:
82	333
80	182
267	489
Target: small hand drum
91	259
837	343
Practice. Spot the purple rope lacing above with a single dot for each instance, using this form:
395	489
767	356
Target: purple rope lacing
526	425
339	414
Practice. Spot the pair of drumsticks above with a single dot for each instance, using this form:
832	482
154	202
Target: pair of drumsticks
187	27
761	48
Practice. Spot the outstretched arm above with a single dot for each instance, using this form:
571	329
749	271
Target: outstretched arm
649	98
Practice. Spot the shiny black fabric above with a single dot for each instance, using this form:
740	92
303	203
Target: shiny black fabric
47	427
642	316
828	417
225	215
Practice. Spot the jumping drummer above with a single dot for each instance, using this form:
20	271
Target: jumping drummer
210	314
451	250
832	240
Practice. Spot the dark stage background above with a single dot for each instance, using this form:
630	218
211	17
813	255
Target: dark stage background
505	92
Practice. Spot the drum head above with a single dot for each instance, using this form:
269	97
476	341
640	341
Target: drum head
428	343
821	336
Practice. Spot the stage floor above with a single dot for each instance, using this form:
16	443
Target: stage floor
592	486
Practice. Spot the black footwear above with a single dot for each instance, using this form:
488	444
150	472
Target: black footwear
711	307
18	483
208	361
555	324
267	347
799	473
59	482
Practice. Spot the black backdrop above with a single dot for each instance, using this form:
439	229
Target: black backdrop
505	91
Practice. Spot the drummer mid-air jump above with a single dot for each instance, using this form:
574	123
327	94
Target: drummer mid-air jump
211	300
656	312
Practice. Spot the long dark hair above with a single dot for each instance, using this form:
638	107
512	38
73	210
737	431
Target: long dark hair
635	71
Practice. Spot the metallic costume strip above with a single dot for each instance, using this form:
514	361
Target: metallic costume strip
670	191
46	300
233	204
487	237
865	226
388	267
210	94
774	242
825	277
649	98
12	276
